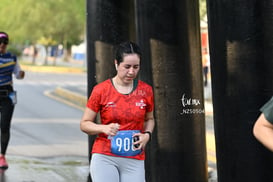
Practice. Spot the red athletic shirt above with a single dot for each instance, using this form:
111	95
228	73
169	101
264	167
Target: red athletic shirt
128	110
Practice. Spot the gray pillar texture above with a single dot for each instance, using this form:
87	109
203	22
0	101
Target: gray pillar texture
240	38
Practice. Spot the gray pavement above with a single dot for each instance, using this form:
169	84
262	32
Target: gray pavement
57	169
46	165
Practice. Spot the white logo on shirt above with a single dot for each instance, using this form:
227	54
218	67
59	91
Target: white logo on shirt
141	104
110	104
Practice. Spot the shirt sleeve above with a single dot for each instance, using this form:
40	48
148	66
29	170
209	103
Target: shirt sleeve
94	100
17	70
267	110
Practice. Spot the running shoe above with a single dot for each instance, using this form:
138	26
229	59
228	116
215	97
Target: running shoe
3	163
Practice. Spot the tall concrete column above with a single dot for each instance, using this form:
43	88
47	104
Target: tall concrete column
241	47
170	34
108	23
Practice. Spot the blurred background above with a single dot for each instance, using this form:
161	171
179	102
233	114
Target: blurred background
54	31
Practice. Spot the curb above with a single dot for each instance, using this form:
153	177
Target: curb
68	97
52	69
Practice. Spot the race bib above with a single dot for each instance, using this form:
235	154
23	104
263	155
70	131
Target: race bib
122	143
13	97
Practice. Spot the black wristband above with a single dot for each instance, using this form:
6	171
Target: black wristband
150	134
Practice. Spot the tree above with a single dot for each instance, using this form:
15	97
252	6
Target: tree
46	42
203	10
62	21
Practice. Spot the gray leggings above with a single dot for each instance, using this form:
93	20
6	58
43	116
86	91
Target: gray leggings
104	168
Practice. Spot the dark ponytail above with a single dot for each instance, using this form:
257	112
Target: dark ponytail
127	48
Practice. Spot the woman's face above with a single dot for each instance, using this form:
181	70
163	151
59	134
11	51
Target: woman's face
129	68
3	46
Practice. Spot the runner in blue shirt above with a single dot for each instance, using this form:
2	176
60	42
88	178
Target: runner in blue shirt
8	66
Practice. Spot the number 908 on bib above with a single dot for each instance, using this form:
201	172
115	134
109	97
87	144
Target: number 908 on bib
122	143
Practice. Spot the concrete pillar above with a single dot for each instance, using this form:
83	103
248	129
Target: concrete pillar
170	34
240	34
108	24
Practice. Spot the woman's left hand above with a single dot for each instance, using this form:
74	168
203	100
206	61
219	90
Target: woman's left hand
21	74
143	139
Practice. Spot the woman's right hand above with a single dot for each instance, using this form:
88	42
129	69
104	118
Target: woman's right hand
111	129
